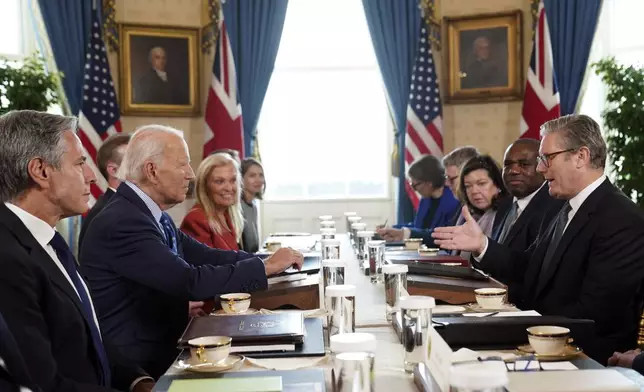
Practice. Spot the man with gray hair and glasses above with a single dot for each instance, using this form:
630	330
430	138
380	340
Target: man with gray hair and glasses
143	271
588	262
45	302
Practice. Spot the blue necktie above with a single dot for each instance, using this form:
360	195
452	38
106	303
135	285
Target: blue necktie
69	263
168	230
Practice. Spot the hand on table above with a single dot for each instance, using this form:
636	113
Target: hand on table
282	260
195	308
390	234
624	359
468	237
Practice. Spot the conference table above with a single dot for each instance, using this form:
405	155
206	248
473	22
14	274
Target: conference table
370	318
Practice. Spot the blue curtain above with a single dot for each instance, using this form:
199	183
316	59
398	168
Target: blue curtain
395	29
572	29
68	24
255	30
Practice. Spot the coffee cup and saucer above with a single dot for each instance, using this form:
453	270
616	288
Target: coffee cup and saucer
491	299
550	343
210	354
235	304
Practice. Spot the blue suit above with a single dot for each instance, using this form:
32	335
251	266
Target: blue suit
447	208
141	288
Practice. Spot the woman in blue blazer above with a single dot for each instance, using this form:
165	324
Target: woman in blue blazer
437	206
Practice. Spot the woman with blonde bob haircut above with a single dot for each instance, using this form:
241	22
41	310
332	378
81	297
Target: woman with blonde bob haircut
216	219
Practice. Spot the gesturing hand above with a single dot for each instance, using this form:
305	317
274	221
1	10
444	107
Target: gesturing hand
468	237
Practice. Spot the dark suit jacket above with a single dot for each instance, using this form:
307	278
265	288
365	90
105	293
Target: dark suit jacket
595	273
141	288
151	89
98	207
44	314
16	374
447	206
540	211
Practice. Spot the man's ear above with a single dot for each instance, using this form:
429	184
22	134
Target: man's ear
112	169
584	157
151	172
40	172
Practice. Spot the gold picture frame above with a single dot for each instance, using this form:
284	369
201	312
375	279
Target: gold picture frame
484	57
159	70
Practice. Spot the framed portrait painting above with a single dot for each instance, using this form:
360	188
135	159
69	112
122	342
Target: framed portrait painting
484	57
159	70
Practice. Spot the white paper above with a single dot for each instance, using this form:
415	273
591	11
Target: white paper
565	365
269	347
287	278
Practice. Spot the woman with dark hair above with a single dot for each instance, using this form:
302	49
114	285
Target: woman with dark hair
481	188
254	186
437	205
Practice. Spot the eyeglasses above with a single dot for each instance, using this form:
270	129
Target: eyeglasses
415	185
546	159
526	363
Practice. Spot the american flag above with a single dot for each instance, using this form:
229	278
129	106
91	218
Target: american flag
99	113
223	117
541	100
424	134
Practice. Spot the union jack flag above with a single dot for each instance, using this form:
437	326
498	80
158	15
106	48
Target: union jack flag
424	131
541	99
224	127
99	114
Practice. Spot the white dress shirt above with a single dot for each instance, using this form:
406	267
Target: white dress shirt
43	233
522	204
575	204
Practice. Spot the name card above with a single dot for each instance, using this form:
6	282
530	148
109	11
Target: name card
439	359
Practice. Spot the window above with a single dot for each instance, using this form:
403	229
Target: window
616	35
325	129
17	33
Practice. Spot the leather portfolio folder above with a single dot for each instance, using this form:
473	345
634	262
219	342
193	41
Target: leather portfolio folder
482	333
278	328
479	333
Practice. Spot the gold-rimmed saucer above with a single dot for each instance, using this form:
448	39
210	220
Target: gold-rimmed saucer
475	307
221	312
570	352
191	365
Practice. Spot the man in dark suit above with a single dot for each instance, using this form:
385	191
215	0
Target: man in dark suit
453	162
108	159
531	204
157	86
143	271
587	263
45	302
13	371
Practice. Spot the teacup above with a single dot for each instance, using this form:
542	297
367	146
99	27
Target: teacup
235	303
210	349
428	251
548	339
490	298
273	246
413	243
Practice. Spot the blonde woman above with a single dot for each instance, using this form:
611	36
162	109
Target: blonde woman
216	219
